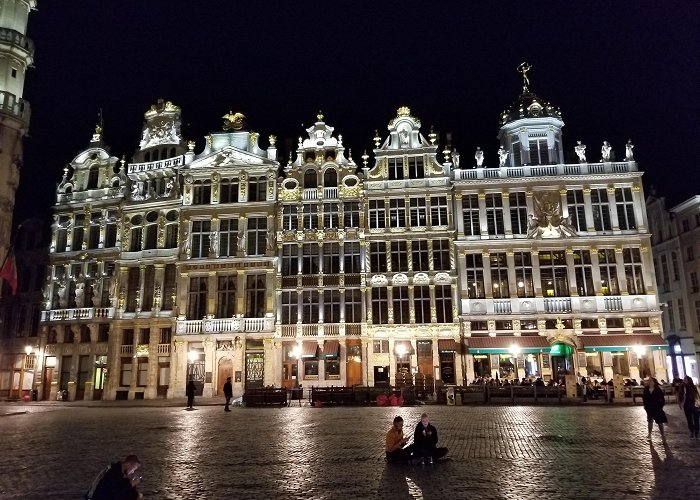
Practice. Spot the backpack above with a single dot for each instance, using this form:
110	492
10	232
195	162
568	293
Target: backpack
96	482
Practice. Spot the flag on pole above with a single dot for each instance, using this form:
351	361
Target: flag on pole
9	270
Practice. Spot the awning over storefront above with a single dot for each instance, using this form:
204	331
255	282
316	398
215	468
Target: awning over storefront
447	345
403	345
504	345
309	349
596	343
331	349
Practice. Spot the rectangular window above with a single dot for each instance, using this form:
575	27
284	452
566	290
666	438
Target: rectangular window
353	305
257	235
517	154
633	271
689	253
438	211
475	276
309	258
103	332
255	296
376	214
257	189
94	235
151	240
421	302
419	255
518	212
132	288
681	315
165	335
608	271
290	259
136	239
169	287
380	310
694	282
685	225
201	230
674	266
171	235
380	347
197	298
226	296
228	239
351	256
539	152
78	233
443	303
290	308
470	215
125	372
145	336
418	212
416	169
331	306
441	255
601	210
399	256
201	193
400	302
577	208
142	380
523	274
499	276
228	192
697	313
331	258
128	336
111	230
584	272
625	209
494	214
310	216
397	212
553	274
395	167
330	215
671	316
664	270
289	218
309	306
378	257
149	281
351	214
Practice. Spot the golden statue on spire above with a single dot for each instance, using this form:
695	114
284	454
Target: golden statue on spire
523	69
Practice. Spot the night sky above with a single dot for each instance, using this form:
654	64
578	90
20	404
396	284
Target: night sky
617	70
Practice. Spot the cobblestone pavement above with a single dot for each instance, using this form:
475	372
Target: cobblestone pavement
496	452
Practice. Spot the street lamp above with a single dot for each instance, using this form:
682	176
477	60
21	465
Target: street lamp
401	350
28	350
192	356
639	350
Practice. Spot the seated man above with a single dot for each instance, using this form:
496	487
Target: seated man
395	442
425	440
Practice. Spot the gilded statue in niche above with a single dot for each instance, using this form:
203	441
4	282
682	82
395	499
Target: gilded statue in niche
233	121
547	221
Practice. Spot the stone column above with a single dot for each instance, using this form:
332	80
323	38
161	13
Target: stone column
613	209
647	266
212	287
571	272
507	223
209	365
536	277
482	216
488	285
366	378
458	218
279	358
588	209
621	279
595	268
178	370
270	368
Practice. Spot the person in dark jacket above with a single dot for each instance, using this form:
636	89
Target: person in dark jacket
687	396
425	440
653	398
191	388
118	482
228	392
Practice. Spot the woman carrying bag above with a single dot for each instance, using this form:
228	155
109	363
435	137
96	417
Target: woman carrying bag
688	400
653	398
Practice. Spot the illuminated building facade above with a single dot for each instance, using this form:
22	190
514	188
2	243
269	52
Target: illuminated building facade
406	271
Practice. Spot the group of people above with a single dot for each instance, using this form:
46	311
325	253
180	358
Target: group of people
687	397
424	448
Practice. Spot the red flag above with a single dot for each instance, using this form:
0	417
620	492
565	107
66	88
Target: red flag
9	271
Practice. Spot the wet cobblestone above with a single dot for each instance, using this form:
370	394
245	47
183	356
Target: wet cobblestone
495	453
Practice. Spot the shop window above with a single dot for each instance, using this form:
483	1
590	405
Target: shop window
482	366
380	346
311	369
332	369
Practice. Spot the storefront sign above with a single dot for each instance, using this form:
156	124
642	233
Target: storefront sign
561	350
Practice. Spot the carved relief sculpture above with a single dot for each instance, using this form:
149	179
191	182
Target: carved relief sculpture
547	221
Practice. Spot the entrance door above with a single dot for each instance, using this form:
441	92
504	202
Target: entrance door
195	372
353	365
254	369
163	378
83	373
225	371
447	367
424	354
48	378
381	375
100	370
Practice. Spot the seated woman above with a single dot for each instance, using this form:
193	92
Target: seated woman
425	440
395	442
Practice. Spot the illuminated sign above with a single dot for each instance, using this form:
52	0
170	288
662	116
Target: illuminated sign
561	350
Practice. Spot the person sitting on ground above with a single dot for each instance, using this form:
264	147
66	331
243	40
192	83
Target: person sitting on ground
396	449
117	482
425	440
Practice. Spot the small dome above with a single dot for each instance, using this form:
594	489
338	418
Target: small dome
529	105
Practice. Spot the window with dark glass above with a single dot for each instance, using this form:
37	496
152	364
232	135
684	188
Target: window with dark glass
395	167
353	305
78	233
400	303
330	215
539	152
399	256
290	258
351	214
378	257
601	210
201	230
132	288
499	275
309	306
475	276
351	256
397	212
418	212
149	280
416	168
310	258
228	237
331	306
331	258
632	259
380	309
226	296
257	235
584	272
310	216
228	192
553	274
608	271
523	274
625	209
255	296
494	214
470	215
377	218
419	251
289	218
201	193
197	298
518	212
443	303
421	303
257	189
577	209
290	307
169	287
438	211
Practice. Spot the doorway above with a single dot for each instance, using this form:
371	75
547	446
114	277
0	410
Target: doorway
254	370
225	371
353	363
381	376
48	377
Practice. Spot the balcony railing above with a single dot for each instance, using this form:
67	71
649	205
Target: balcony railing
582	304
545	170
224	325
613	303
17	39
135	168
11	105
502	306
78	314
163	348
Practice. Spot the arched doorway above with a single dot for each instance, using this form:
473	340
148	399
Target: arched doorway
225	371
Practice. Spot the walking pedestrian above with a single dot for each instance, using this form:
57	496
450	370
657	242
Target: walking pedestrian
228	392
653	398
688	399
191	388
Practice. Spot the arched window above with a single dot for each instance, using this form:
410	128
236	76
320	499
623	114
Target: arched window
310	179
147	157
93	177
330	178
